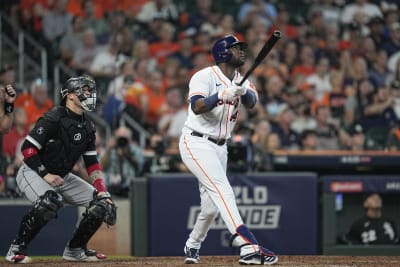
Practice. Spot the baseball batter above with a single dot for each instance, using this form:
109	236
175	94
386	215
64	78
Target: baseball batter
215	98
50	151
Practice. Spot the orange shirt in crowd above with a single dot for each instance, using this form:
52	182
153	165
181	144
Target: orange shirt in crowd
74	7
161	50
156	100
33	113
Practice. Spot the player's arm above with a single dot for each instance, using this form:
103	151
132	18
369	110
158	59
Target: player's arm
201	104
249	99
34	142
6	114
248	94
93	168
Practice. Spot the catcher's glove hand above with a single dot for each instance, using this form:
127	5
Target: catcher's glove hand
110	216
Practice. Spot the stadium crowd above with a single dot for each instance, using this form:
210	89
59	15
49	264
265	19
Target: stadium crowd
331	83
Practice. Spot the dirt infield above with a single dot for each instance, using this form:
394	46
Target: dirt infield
284	261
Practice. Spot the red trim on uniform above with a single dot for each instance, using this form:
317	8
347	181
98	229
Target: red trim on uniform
211	181
93	167
29	152
99	185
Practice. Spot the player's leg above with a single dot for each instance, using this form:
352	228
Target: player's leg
80	193
46	204
208	164
202	159
207	215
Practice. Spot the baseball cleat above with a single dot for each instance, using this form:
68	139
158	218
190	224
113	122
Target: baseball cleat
16	255
192	255
258	258
82	254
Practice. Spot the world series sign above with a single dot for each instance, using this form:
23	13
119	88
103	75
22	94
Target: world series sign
279	208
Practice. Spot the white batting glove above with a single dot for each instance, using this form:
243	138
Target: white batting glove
239	90
226	94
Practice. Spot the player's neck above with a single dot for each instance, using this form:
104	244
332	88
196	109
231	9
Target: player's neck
227	70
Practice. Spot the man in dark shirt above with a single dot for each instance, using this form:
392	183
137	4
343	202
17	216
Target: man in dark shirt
372	228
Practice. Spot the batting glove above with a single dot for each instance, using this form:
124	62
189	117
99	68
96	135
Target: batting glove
226	94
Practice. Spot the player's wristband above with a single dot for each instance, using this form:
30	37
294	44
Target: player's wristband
8	107
211	101
249	99
99	185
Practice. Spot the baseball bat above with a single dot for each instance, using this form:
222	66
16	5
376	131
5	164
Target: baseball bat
269	44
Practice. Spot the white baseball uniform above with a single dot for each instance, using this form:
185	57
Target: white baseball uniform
206	159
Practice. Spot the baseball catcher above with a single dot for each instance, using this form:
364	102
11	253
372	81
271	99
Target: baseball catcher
50	151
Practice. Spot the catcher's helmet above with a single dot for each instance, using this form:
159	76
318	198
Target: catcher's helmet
84	87
221	47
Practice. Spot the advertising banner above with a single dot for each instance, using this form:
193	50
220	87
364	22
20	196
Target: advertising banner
361	183
279	208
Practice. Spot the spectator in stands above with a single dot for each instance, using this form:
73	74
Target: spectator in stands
392	45
56	23
156	98
337	100
358	138
361	9
330	12
274	101
203	9
227	24
174	113
84	55
39	103
308	140
115	87
306	64
251	10
380	112
373	228
92	15
283	23
321	78
72	40
330	135
289	54
17	133
165	43
163	9
185	53
376	26
379	72
271	66
360	99
289	139
121	161
304	120
141	53
259	140
31	16
106	63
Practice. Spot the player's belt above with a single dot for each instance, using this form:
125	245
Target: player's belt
219	142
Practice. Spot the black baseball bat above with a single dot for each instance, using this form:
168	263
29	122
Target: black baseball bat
269	44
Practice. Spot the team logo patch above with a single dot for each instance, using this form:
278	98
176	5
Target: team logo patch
40	130
77	137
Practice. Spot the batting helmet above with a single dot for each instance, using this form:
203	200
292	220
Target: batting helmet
80	86
221	47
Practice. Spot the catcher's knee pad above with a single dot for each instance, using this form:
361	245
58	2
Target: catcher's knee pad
48	205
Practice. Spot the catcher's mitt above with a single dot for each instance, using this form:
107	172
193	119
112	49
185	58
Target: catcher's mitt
110	216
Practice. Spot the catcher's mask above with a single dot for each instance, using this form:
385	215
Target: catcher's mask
221	47
84	88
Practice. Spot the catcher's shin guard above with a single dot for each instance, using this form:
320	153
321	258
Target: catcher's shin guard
92	219
41	213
